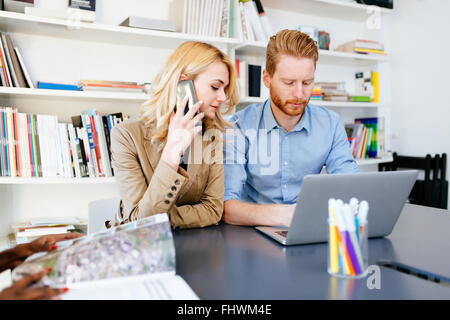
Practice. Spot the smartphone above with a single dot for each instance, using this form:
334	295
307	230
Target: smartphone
186	88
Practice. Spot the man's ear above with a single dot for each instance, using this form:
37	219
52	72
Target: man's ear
183	77
266	78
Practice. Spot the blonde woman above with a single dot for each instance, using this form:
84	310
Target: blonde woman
146	153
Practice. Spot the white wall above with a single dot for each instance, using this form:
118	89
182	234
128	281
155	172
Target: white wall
420	69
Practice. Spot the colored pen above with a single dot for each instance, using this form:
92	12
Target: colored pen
351	229
362	215
347	247
333	245
344	259
354	207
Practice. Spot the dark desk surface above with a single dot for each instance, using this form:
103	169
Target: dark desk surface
421	239
232	262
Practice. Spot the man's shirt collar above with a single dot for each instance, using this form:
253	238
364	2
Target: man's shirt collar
269	122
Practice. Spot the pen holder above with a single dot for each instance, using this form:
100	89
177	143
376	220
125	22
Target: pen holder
347	251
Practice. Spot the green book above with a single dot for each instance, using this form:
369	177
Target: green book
361	99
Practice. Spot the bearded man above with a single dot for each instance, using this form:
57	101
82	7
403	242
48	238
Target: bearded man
274	145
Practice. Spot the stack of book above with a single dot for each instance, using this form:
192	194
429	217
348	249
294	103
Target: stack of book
13	72
362	46
366	137
117	86
35	145
35	228
316	94
240	19
333	91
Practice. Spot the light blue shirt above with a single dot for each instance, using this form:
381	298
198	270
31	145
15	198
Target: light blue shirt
265	164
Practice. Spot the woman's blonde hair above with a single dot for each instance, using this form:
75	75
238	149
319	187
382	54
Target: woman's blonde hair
190	58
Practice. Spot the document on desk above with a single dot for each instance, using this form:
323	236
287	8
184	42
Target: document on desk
112	263
163	286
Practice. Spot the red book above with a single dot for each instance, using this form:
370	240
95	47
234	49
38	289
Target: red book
3	63
16	142
96	146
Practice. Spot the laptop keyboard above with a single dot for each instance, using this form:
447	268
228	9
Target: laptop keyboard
282	233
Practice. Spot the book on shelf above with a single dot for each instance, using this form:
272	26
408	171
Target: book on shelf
13	72
17	5
104	85
264	19
333	91
240	19
362	46
148	23
207	17
72	10
254	21
360	98
316	94
366	137
37	227
254	80
115	264
13	62
6	76
83	10
36	145
250	79
375	81
56	86
24	69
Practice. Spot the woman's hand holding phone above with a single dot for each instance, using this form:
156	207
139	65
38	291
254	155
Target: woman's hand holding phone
182	130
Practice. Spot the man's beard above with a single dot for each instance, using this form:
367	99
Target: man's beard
283	105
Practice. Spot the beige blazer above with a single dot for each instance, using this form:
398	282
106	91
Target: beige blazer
148	186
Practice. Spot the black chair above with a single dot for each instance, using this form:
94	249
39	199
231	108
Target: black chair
432	191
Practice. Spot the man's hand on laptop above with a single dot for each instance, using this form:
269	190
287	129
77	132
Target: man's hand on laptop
286	213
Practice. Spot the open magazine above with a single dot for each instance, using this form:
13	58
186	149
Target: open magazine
131	261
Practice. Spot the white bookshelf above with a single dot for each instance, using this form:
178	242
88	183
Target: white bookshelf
374	161
352	5
334	104
55	180
46	94
334	8
51	27
67	52
325	56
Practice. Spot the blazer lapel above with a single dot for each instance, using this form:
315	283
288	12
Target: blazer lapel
151	149
194	164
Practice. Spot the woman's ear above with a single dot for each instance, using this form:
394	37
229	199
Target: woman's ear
183	77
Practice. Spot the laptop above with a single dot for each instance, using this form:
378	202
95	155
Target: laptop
386	193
